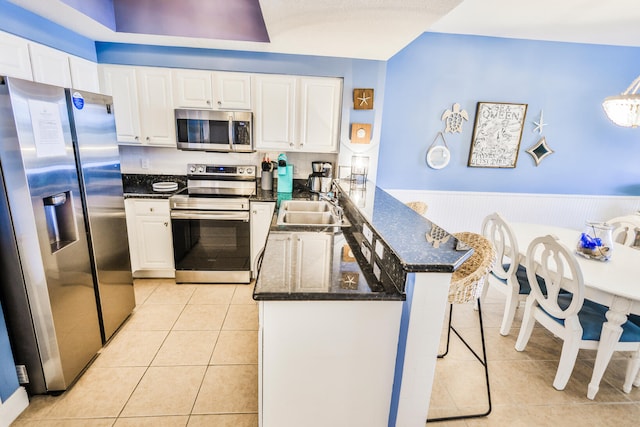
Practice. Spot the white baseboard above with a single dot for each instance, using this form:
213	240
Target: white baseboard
11	408
464	210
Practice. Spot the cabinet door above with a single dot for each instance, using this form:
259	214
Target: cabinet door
261	215
192	89
280	245
275	112
154	247
49	66
14	57
84	74
232	91
320	104
157	119
120	83
149	229
313	256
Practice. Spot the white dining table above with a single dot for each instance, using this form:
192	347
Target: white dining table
614	283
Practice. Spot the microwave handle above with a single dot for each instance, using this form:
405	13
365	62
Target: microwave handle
230	132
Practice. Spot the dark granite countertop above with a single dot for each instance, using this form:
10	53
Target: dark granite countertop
405	231
387	240
140	185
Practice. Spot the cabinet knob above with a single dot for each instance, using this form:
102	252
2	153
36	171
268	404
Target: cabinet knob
219	103
166	224
150	209
148	138
254	212
208	102
291	144
136	137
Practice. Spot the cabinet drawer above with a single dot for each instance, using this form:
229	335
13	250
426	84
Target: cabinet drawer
151	207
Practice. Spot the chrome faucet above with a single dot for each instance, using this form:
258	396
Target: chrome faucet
332	198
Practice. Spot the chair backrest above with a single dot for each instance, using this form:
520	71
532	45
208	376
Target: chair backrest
504	242
556	264
625	229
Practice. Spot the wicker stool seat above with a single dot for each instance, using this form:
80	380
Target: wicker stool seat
466	286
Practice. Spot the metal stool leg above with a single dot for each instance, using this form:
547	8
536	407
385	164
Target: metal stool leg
482	360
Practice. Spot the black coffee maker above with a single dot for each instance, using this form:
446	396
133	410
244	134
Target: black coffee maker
321	177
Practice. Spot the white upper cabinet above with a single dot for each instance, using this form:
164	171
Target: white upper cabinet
120	82
275	112
232	91
157	118
192	89
49	66
143	104
14	57
297	113
320	105
84	74
211	90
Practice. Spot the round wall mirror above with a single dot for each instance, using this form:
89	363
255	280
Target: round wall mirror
438	157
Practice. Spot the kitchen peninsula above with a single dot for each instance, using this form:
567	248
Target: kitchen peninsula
354	343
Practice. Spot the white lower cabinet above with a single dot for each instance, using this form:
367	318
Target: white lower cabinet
150	239
307	260
261	215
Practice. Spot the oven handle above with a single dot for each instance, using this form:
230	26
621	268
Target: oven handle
222	216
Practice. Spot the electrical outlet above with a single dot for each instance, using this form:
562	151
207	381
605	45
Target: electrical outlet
144	163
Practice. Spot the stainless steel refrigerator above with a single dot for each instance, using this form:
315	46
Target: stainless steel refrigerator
66	278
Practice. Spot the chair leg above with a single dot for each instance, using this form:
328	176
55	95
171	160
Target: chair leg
568	358
446	349
482	359
511	304
633	367
528	322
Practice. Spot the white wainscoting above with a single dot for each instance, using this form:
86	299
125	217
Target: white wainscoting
464	211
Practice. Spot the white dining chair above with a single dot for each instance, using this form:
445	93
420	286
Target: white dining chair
569	316
625	229
509	275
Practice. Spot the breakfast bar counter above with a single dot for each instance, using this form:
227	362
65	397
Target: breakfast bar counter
351	315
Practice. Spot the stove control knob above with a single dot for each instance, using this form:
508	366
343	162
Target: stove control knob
201	169
240	171
192	169
249	171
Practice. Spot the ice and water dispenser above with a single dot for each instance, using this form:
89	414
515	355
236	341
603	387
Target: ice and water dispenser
61	221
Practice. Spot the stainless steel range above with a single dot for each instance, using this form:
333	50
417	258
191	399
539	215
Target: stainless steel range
210	224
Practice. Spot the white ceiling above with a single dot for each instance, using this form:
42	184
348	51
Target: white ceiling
378	29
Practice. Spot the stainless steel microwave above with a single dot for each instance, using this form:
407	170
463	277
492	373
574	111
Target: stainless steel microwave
209	130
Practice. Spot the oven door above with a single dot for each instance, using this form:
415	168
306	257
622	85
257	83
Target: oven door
211	246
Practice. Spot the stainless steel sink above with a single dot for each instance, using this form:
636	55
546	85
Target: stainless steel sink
309	218
306	206
309	213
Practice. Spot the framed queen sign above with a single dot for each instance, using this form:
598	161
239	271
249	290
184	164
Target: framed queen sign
496	135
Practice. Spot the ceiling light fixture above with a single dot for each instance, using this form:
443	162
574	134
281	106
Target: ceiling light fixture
624	110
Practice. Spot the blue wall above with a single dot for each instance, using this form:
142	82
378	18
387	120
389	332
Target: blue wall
8	378
568	81
18	21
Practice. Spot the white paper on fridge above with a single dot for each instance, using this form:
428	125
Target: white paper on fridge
47	128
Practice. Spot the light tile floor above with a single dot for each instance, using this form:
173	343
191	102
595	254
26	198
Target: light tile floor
188	357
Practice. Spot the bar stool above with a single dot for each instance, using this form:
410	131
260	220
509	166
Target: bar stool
466	286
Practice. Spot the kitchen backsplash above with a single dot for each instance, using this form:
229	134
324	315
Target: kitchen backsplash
171	161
